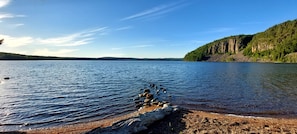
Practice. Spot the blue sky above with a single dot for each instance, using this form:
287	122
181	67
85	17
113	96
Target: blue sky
131	28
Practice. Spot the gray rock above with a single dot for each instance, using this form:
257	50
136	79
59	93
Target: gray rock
147	100
147	91
135	124
149	96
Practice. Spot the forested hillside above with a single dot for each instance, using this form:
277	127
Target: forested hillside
276	44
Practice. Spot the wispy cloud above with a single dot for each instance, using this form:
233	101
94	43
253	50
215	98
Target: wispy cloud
124	28
141	46
18	25
59	52
76	39
155	11
11	41
4	3
8	15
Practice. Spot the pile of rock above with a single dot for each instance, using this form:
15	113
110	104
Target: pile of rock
149	100
150	110
148	97
152	96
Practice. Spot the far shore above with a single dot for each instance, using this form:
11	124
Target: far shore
190	122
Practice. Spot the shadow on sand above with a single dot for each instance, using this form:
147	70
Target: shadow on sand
171	124
13	132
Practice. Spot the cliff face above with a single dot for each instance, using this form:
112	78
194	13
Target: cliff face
273	45
278	35
260	47
228	45
233	44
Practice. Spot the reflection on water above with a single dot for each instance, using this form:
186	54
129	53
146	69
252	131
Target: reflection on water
50	93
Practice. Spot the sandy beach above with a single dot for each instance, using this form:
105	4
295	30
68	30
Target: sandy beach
190	122
85	127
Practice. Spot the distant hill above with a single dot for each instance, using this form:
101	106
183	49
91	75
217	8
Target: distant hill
12	56
276	44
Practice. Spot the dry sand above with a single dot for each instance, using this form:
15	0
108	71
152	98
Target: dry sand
191	122
85	127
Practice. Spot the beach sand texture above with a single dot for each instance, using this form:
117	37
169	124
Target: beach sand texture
190	122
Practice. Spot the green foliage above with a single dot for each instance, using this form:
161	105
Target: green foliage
229	59
198	54
274	44
248	51
202	53
291	58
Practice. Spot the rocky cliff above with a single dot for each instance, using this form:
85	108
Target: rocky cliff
233	44
228	45
276	44
277	35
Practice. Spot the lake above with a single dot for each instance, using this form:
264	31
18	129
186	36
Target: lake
51	93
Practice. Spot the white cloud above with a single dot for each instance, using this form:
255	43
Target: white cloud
76	39
18	25
60	52
141	46
155	11
11	41
57	45
4	3
8	15
124	28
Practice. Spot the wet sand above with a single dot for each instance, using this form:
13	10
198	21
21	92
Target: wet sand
191	122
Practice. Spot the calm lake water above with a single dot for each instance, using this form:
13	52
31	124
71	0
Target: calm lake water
52	93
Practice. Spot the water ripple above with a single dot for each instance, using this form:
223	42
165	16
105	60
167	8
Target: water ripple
52	93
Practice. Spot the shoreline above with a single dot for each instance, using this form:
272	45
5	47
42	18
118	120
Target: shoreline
189	121
88	126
